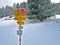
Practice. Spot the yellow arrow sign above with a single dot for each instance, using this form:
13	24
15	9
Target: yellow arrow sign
20	22
16	14
20	18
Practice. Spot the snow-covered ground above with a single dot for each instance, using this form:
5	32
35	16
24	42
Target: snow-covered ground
33	34
8	35
41	34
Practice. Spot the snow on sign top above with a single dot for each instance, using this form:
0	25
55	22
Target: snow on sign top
22	10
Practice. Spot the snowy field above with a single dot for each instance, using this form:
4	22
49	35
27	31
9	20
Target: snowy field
41	34
33	34
8	34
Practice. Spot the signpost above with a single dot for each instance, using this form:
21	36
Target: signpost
20	17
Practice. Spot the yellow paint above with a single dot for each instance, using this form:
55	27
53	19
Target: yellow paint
19	16
20	22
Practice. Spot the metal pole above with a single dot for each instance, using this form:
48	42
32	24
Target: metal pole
20	36
20	27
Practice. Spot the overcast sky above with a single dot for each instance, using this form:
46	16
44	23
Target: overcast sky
55	1
10	2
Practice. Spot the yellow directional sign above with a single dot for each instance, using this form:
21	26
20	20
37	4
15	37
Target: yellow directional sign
16	13
20	22
20	18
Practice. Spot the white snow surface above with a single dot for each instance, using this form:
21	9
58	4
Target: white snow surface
8	35
41	34
33	34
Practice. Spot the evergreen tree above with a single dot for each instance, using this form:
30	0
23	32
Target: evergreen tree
14	6
23	5
42	9
17	5
2	12
8	11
